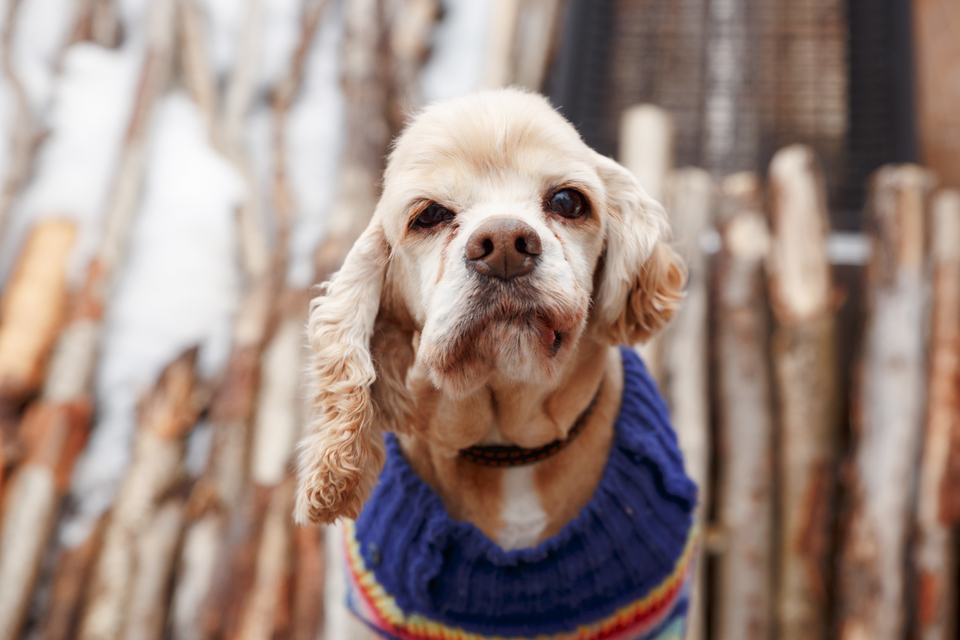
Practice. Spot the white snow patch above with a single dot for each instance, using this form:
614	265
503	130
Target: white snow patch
461	40
40	30
76	165
180	287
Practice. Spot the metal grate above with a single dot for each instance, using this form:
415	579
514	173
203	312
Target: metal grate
743	78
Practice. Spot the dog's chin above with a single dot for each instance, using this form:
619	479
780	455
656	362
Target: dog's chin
534	349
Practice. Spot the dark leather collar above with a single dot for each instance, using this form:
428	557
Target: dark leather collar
513	456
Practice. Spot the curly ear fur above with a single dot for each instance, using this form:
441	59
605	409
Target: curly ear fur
342	453
642	280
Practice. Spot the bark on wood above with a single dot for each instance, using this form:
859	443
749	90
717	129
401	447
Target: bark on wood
201	547
410	33
25	132
934	555
745	421
935	25
54	434
239	96
33	309
368	131
119	576
646	149
69	586
228	523
63	407
236	568
96	21
283	98
690	199
522	38
155	554
245	599
278	419
888	409
269	595
308	589
805	361
196	67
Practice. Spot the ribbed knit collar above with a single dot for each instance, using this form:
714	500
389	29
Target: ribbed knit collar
624	542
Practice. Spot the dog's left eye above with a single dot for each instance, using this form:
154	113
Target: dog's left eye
567	203
433	215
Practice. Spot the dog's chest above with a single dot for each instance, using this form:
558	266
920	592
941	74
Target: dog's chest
521	512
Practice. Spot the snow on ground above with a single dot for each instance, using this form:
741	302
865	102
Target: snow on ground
179	287
41	29
76	164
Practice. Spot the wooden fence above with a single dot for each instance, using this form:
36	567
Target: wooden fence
828	506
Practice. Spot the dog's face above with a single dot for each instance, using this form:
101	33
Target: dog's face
500	239
497	218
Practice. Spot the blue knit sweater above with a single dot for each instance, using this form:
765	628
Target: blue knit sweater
627	550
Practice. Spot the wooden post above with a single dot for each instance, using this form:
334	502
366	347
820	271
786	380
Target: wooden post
937	49
244	597
368	132
805	362
934	599
120	591
745	421
521	43
308	590
888	409
690	200
26	131
646	149
145	618
61	417
69	585
33	309
409	48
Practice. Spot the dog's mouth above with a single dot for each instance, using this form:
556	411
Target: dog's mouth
551	337
523	332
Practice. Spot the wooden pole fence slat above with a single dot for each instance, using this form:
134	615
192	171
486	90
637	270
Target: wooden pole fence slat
934	597
888	408
744	590
805	363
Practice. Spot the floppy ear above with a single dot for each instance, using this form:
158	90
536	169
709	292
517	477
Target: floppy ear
342	452
642	277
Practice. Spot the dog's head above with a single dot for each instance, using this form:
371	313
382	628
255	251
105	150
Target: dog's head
499	241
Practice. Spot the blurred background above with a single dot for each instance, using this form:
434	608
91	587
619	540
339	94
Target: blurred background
177	174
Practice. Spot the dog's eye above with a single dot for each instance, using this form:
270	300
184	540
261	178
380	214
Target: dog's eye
567	203
433	215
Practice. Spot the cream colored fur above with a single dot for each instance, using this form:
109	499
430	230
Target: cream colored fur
405	337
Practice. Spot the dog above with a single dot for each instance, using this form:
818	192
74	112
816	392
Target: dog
467	355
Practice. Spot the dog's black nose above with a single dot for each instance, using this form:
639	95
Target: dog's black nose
503	248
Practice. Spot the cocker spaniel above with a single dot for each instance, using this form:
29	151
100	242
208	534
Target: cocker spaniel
506	469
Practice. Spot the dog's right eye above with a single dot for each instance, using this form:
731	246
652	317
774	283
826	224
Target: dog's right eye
433	215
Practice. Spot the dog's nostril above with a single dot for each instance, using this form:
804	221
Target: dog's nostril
503	248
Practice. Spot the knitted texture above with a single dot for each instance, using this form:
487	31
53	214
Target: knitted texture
618	570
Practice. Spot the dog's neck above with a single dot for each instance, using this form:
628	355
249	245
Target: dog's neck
519	506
